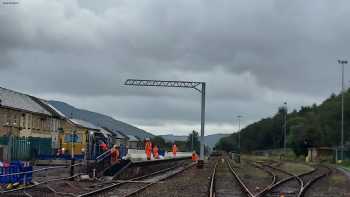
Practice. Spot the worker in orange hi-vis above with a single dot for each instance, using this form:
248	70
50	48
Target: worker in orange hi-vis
155	152
174	150
194	156
148	149
115	154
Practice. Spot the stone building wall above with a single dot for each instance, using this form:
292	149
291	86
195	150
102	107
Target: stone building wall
25	124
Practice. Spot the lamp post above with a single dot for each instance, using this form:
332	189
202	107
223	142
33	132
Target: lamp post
192	140
238	156
342	62
285	110
73	138
239	133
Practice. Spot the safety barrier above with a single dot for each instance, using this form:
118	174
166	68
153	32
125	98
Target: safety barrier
12	173
30	173
60	157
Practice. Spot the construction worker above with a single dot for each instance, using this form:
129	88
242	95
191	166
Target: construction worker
194	156
155	152
174	150
148	148
115	154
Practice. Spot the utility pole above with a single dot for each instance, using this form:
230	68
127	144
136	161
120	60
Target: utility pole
201	162
72	154
342	62
192	140
239	133
238	158
285	128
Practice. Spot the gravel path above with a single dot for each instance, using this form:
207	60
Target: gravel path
335	185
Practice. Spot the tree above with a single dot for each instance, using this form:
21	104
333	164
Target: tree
315	125
196	142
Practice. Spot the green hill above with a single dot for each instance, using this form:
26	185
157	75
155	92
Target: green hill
317	126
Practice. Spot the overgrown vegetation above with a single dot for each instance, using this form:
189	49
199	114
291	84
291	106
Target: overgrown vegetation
317	126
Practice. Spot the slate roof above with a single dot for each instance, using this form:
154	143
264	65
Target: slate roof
52	108
17	100
105	132
133	138
84	124
116	133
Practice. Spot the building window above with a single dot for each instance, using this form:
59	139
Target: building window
68	138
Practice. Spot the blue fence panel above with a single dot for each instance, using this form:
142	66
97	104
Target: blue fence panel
16	167
28	176
3	171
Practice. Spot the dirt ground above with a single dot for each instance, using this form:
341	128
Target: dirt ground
191	182
255	178
335	185
295	168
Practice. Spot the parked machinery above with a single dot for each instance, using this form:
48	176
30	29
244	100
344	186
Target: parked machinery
85	145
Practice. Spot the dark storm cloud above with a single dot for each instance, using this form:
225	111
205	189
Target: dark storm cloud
253	54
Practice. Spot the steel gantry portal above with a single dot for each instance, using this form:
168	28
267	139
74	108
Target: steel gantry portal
178	84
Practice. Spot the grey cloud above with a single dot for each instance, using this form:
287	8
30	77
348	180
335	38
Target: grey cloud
245	50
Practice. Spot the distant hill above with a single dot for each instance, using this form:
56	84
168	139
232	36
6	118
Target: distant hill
210	140
99	119
172	138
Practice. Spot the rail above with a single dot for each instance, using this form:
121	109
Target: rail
312	181
239	180
114	185
212	181
303	186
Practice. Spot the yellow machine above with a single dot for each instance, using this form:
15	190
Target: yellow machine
77	140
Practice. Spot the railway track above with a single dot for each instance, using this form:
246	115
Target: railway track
283	182
134	186
294	185
223	183
225	180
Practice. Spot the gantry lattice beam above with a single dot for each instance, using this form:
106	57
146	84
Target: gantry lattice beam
160	83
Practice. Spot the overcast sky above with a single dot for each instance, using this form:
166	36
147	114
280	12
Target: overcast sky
253	54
